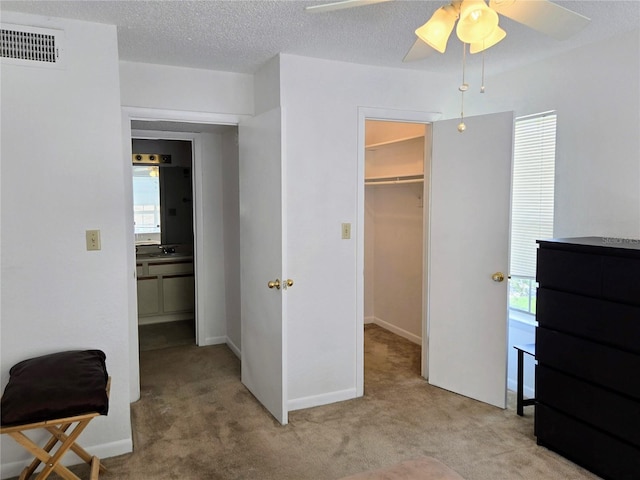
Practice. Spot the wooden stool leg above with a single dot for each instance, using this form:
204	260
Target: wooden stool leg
47	448
62	430
59	434
44	457
95	468
54	464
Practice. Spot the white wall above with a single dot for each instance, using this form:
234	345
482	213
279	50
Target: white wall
320	100
266	86
210	255
231	218
397	258
165	87
596	93
369	254
220	250
62	174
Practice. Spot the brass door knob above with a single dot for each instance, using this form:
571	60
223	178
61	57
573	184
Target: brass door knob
498	277
274	283
289	282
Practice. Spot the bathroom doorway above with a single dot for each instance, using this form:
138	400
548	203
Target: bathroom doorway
164	240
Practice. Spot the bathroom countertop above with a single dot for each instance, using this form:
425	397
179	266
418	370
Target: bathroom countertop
163	257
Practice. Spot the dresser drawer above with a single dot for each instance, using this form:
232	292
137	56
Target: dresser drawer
611	277
603	409
621	279
599	364
612	323
601	453
569	271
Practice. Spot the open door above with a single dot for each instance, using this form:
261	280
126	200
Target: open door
468	248
263	315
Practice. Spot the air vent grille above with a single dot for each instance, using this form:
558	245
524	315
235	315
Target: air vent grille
30	45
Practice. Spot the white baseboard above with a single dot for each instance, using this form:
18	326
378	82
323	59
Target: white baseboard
169	317
213	341
397	330
369	320
106	450
324	399
234	348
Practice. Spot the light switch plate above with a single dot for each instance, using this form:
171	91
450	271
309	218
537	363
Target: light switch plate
346	231
93	239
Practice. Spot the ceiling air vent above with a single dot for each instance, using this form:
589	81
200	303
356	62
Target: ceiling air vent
22	45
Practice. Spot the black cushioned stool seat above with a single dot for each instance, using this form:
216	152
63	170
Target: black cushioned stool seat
54	392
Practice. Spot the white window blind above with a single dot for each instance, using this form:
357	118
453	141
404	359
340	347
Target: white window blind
532	197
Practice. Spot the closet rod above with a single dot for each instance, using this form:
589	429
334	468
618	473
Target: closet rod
397	181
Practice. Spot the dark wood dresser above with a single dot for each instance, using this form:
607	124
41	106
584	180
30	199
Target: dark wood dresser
588	353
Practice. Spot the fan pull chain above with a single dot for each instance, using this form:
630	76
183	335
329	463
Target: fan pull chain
463	88
482	86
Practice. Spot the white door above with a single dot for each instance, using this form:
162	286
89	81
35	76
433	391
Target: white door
468	243
263	312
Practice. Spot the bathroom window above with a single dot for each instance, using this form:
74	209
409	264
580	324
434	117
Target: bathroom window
146	204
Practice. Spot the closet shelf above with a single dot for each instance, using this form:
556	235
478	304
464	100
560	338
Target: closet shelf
395	180
373	146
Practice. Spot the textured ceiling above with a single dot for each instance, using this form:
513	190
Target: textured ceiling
239	36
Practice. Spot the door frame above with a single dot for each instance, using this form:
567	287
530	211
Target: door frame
183	117
389	115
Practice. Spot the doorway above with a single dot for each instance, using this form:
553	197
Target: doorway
164	240
468	205
396	159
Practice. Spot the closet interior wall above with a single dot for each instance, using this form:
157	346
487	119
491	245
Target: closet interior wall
394	226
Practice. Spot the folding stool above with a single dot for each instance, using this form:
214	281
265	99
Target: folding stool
60	393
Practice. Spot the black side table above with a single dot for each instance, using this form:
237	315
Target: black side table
521	402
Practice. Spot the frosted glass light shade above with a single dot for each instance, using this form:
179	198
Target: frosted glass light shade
497	35
477	21
437	30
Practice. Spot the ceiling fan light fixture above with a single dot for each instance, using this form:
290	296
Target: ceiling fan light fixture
437	30
477	21
496	36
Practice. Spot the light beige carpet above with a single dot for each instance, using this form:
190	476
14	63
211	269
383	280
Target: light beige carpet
196	421
423	468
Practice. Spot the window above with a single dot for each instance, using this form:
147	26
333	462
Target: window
146	204
531	203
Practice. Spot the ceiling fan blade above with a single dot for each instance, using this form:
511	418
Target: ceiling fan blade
543	16
328	7
418	51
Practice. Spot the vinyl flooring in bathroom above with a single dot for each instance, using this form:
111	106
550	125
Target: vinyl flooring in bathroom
165	335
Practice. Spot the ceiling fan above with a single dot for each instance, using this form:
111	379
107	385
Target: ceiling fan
477	23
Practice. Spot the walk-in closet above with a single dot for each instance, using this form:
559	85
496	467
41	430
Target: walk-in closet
395	206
